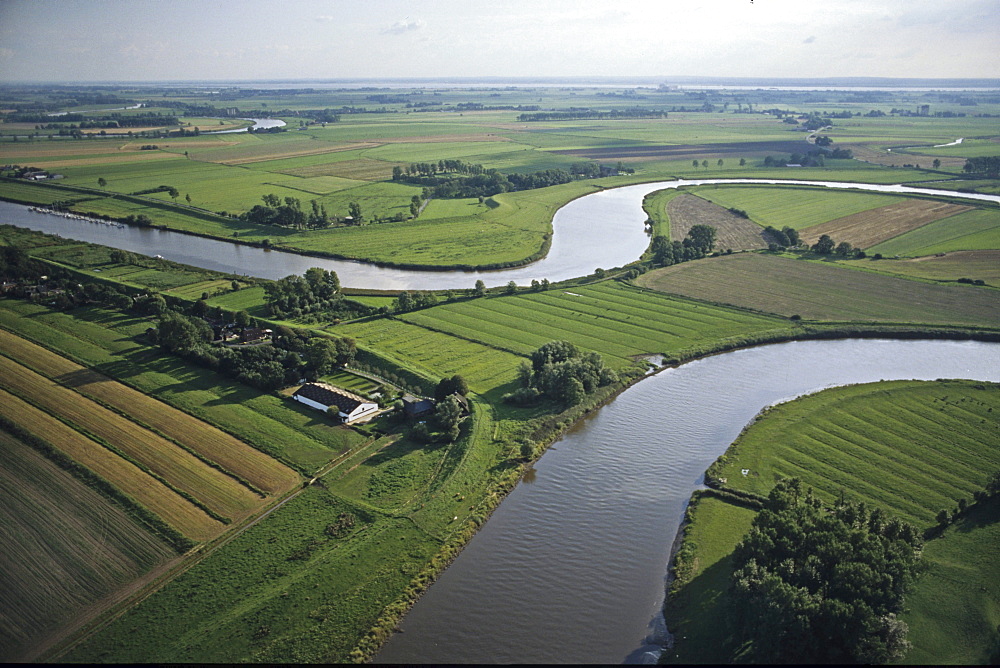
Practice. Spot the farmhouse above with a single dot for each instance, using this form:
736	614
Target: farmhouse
416	407
322	396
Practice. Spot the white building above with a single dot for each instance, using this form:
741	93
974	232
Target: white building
322	396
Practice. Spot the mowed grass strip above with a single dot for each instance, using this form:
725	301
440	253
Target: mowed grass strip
231	454
868	228
911	447
819	291
149	492
55	524
179	468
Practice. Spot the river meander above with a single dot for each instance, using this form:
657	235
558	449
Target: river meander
571	567
603	229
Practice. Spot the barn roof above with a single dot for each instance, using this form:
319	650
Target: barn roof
328	395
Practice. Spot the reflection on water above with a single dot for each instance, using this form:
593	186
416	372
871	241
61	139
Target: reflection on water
571	568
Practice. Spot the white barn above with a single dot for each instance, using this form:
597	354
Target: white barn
322	396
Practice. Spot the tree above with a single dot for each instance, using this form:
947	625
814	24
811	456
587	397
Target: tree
844	249
320	355
824	246
719	163
354	210
449	386
702	237
937	163
511	288
173	192
704	163
743	162
102	183
480	289
243	320
694	163
188	198
822	585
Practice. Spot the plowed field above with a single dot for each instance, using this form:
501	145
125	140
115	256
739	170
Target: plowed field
732	231
868	228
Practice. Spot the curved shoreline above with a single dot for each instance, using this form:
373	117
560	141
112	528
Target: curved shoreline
384	627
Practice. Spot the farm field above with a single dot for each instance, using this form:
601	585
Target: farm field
619	322
869	228
819	291
798	208
907	447
732	231
54	523
207	486
164	502
982	265
973	230
108	343
195	436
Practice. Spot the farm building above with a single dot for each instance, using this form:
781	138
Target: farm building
322	396
417	407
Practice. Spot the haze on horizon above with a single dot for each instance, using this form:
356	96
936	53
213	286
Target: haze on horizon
147	40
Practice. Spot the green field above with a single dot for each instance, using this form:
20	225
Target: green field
824	292
973	230
908	447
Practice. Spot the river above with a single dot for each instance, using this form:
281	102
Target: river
571	567
604	229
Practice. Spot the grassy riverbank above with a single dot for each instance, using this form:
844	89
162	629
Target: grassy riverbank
910	448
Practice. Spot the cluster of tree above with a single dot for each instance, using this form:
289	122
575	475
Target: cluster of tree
593	169
138	220
822	585
814	121
492	182
811	159
149	147
827	246
287	213
172	191
559	371
293	296
591	114
991	492
990	166
698	243
449	411
413	300
783	238
292	358
425	169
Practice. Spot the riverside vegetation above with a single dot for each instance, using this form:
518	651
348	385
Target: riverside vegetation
337	561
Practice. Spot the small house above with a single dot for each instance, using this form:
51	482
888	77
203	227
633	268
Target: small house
251	334
415	407
322	397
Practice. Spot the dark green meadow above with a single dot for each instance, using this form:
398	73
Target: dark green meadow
910	448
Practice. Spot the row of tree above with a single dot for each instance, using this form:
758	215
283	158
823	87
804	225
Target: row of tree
591	114
990	166
698	243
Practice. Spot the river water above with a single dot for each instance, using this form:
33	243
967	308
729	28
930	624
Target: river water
603	229
571	567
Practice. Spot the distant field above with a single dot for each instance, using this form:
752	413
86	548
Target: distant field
732	231
65	547
973	230
869	228
982	265
797	208
205	441
819	291
616	321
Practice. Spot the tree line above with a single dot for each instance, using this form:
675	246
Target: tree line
591	114
698	243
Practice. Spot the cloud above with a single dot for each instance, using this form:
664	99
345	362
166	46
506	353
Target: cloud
405	26
325	19
809	40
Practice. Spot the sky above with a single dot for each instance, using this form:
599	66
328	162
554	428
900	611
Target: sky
153	40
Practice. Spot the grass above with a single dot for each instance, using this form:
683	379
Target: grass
55	524
908	447
983	265
822	292
609	318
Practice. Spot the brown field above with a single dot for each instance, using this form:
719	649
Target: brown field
62	148
146	490
176	466
824	292
246	154
364	169
65	547
878	156
732	231
980	264
682	151
231	454
868	228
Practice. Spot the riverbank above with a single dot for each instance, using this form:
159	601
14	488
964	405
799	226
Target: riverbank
767	448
